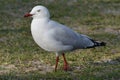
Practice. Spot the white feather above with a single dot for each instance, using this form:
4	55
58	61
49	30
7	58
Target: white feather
53	36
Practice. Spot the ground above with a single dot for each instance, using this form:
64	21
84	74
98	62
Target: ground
22	59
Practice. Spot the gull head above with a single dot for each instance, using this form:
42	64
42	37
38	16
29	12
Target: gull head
38	12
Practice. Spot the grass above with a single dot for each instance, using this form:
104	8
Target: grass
22	59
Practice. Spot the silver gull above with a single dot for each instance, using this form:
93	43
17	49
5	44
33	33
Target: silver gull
55	37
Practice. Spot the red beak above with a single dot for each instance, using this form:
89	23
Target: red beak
27	15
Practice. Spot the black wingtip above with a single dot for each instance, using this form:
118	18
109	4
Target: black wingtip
103	44
97	44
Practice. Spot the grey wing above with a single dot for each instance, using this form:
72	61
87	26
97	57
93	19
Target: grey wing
66	36
69	37
84	41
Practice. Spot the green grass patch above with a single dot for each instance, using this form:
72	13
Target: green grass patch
22	59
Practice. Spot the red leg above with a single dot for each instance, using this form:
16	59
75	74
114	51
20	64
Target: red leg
57	60
65	62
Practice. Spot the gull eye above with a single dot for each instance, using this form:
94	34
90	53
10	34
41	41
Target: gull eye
38	10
